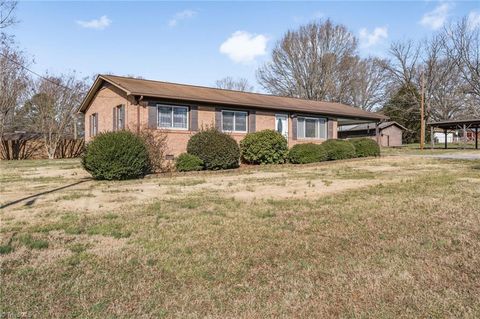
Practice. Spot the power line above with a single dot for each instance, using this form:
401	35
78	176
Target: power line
35	73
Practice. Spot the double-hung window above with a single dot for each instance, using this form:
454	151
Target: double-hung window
120	117
172	117
311	128
234	121
94	124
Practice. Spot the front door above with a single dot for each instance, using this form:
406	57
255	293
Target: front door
281	124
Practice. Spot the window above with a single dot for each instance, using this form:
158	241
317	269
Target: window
173	117
120	117
311	127
234	121
94	124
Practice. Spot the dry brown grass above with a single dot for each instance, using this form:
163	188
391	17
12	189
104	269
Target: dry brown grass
387	237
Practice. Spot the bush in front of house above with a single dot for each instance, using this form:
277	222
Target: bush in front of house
365	147
339	149
264	147
187	162
216	149
116	156
307	153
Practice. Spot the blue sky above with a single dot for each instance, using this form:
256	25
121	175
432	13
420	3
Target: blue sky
200	42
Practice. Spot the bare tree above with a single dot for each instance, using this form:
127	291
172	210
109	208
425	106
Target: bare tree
14	82
7	17
444	86
312	62
370	81
464	47
52	108
230	83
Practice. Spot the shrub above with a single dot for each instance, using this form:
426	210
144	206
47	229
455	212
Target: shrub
307	153
156	143
188	162
116	156
217	150
365	147
264	147
339	149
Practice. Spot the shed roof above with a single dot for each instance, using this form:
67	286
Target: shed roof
367	126
192	93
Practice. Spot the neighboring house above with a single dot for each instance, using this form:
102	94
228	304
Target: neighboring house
390	132
116	103
440	137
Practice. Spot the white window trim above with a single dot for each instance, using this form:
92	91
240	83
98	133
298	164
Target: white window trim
319	129
173	107
234	126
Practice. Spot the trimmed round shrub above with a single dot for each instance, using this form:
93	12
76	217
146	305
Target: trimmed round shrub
264	147
217	150
339	149
188	162
307	153
116	156
365	147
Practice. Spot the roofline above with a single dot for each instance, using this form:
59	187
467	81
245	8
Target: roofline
454	122
86	101
93	89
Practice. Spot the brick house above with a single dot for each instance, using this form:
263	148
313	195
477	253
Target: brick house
116	103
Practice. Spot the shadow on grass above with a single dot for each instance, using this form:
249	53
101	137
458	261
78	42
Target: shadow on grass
32	198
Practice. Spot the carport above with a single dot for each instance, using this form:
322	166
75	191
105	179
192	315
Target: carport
471	125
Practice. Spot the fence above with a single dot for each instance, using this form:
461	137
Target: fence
20	146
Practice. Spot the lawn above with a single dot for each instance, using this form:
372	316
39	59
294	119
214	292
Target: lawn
396	236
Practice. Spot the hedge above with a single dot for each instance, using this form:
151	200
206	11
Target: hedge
216	149
339	149
188	162
264	147
365	147
116	156
307	153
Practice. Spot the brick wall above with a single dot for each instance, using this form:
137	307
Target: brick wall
109	97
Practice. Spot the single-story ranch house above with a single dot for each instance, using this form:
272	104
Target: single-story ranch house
391	133
116	103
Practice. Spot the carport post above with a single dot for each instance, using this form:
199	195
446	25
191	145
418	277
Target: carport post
445	130
377	132
476	138
432	137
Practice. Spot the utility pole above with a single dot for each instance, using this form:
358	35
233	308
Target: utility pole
422	115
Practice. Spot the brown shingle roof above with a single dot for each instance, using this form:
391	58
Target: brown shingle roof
191	93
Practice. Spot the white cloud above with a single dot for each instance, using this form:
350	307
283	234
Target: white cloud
182	15
244	47
369	39
474	19
436	18
98	24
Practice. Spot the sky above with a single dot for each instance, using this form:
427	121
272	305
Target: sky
201	42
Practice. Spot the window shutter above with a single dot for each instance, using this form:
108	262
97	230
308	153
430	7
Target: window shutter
294	127
329	129
218	119
95	119
252	121
194	118
152	116
124	116
114	118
